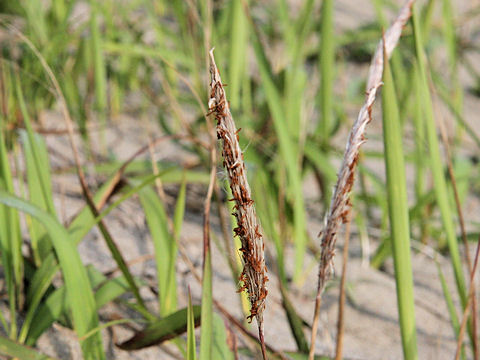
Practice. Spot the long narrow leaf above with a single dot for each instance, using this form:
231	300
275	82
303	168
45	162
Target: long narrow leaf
36	159
327	66
206	331
191	347
79	292
10	243
220	349
162	330
398	213
288	154
163	243
55	305
15	350
237	58
441	190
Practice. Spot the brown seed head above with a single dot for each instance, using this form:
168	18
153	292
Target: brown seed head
248	228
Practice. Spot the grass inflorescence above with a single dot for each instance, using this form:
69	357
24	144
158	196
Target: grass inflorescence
254	274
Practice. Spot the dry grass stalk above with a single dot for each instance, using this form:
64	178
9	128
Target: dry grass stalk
254	274
340	203
468	307
461	220
343	295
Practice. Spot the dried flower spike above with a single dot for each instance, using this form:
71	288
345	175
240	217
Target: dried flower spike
340	203
254	274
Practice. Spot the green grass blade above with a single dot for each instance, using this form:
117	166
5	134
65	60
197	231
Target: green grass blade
296	79
463	170
398	213
177	228
286	24
10	240
180	208
40	192
321	163
288	155
447	98
38	171
449	301
295	75
10	243
327	66
164	246
440	185
79	292
110	290
55	305
136	50
60	9
304	21
301	356
36	19
162	330
449	34
220	349
39	154
426	17
420	159
40	283
12	349
452	44
49	311
107	325
98	63
191	347
206	331
237	55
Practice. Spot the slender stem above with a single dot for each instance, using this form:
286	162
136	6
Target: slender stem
467	306
341	299
463	231
316	316
262	341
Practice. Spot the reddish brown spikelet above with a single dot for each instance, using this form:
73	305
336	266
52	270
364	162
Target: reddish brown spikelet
248	228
